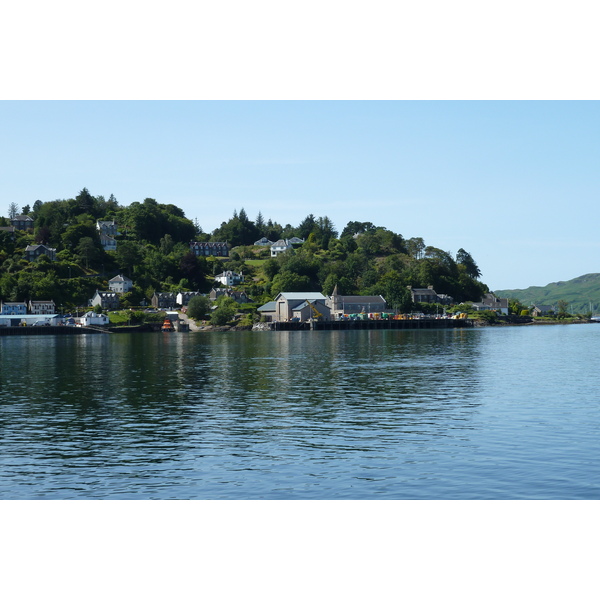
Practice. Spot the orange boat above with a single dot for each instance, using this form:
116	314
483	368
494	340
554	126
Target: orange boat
167	326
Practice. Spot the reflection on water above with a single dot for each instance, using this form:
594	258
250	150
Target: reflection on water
357	414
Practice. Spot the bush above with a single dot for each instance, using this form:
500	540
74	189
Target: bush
222	315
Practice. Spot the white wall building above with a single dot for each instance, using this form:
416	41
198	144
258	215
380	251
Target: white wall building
120	284
229	278
92	318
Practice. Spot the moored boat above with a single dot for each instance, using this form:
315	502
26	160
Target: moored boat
167	326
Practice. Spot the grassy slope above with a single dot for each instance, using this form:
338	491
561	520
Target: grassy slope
579	292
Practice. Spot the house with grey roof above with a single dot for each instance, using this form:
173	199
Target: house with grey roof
22	222
229	278
32	252
491	302
267	311
107	231
164	300
279	247
120	284
539	310
183	298
239	296
428	295
10	230
107	300
13	308
286	302
107	227
42	307
263	242
210	248
343	305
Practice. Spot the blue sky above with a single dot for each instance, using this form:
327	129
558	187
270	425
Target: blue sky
515	183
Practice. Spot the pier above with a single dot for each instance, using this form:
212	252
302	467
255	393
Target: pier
47	330
371	324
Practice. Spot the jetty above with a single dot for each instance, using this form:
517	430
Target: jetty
350	325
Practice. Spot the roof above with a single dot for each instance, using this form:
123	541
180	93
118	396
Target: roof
268	307
36	246
208	244
360	299
301	295
119	278
226	273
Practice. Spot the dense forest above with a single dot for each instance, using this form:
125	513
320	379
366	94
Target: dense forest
153	250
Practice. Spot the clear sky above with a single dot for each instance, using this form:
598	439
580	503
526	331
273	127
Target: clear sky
515	183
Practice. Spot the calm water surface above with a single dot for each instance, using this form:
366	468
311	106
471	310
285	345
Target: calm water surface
510	413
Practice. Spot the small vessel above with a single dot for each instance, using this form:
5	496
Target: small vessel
167	326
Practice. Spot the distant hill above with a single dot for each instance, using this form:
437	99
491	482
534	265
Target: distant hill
578	292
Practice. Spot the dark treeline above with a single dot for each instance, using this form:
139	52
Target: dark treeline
153	250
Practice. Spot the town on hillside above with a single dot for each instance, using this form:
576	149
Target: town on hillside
90	261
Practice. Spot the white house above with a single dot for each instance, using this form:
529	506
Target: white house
42	307
280	246
107	231
92	318
183	298
491	302
229	278
107	227
120	284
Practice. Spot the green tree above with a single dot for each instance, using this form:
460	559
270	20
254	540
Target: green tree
464	258
222	315
562	306
13	210
87	251
198	307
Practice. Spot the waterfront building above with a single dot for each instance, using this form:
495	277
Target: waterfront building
92	318
183	298
286	302
13	308
163	300
341	305
491	302
42	307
